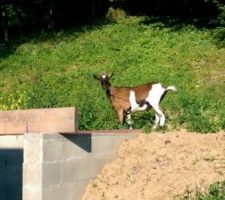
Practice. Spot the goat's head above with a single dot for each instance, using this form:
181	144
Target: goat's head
104	80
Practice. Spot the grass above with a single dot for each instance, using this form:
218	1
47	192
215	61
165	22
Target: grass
216	191
54	69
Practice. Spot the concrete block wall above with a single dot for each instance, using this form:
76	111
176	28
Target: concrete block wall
59	166
56	161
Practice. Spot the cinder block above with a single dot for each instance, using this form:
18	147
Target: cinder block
52	192
104	144
52	150
69	170
83	168
33	148
11	141
74	190
69	191
77	146
52	174
87	168
54	136
32	175
32	193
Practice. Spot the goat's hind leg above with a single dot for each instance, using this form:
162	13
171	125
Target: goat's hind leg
129	120
156	123
160	117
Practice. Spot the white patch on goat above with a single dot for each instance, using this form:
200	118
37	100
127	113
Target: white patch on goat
162	120
155	94
157	119
103	76
154	97
172	87
133	103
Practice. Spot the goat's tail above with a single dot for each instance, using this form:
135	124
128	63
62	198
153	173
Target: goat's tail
172	88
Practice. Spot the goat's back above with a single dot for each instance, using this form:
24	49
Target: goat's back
121	94
142	91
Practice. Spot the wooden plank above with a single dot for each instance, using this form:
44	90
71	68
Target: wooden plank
53	120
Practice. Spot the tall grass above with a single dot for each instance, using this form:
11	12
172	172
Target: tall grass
55	69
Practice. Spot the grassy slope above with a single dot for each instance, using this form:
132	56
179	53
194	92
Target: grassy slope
55	69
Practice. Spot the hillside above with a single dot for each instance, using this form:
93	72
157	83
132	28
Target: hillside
54	69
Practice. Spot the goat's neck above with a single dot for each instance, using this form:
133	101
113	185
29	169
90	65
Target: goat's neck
108	92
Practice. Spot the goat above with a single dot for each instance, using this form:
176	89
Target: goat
126	100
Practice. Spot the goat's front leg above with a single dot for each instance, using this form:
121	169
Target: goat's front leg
129	120
120	115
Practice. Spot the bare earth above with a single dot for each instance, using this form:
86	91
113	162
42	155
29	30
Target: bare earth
161	166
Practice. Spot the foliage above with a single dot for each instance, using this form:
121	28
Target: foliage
14	15
115	14
216	191
25	16
22	16
13	101
219	4
55	69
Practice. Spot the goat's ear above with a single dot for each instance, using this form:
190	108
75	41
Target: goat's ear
111	75
95	77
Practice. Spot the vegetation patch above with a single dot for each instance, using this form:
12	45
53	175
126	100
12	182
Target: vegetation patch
54	69
216	191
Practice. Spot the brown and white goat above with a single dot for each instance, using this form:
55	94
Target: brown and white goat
126	100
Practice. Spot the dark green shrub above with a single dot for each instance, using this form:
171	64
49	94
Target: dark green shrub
216	191
115	14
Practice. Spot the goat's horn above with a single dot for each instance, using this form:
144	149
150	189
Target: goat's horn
95	77
111	75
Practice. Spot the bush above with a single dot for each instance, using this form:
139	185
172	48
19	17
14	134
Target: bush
115	14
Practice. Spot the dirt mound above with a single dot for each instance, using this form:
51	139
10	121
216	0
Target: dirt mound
161	166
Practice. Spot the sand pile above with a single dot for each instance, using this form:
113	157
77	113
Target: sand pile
161	166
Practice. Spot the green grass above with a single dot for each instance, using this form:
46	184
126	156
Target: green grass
216	191
55	69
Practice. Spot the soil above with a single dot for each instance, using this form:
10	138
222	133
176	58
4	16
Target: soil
161	166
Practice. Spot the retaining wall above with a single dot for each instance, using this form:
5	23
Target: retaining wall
56	165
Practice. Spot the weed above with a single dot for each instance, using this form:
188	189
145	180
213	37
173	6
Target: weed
209	159
195	161
216	191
